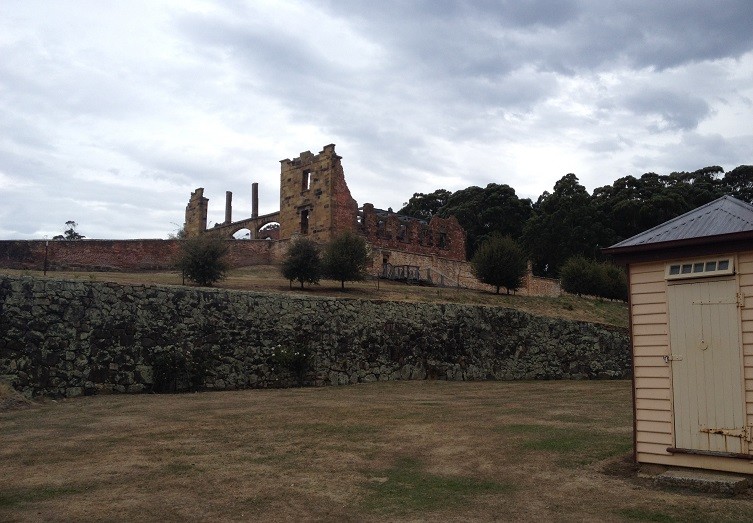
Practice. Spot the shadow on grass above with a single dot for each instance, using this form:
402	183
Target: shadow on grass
19	496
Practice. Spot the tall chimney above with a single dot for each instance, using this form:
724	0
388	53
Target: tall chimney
228	207
254	200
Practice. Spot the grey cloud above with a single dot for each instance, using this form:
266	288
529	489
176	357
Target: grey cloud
561	36
678	110
696	150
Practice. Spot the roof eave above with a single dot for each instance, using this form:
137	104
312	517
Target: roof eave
703	244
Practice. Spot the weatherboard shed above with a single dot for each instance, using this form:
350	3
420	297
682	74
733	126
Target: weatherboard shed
691	320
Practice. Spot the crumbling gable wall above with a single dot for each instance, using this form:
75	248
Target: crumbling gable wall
443	237
314	199
196	214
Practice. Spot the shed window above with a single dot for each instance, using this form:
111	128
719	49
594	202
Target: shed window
699	268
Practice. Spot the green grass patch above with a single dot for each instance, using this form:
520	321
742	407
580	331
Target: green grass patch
574	446
20	496
407	488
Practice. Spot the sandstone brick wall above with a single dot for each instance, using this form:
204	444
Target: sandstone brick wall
196	214
313	190
447	272
66	338
443	237
125	255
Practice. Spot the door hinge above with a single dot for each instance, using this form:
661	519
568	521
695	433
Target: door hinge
741	300
671	357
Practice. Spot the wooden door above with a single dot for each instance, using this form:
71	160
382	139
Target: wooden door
704	324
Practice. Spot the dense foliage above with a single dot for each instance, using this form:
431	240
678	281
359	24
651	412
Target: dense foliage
202	259
302	262
571	222
500	262
582	276
424	206
345	258
484	212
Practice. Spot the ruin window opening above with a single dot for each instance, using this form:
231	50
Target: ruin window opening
401	235
304	222
442	240
306	180
380	228
243	234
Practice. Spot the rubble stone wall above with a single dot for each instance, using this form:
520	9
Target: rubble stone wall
67	338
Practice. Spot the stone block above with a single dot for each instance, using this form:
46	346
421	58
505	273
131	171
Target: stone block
703	481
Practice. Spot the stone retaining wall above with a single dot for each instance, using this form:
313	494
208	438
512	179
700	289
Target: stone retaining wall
66	338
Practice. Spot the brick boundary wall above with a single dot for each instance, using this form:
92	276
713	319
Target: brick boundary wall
154	255
124	255
67	338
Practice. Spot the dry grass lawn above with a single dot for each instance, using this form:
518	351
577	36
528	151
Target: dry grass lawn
397	451
267	278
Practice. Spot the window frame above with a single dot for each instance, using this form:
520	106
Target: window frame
699	268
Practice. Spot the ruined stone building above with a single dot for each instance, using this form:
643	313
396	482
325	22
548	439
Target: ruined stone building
315	202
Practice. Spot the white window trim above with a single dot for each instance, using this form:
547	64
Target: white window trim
699	268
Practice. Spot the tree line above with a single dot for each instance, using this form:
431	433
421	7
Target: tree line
203	260
569	222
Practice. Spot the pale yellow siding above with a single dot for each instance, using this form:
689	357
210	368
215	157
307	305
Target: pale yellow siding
745	275
653	407
653	375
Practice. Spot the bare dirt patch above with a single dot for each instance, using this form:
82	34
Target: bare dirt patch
405	451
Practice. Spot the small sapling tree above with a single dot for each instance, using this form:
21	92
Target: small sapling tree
70	233
202	259
500	262
345	258
302	262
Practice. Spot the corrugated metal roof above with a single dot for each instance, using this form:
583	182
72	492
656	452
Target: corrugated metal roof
725	215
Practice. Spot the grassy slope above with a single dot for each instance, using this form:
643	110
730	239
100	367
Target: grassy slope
268	279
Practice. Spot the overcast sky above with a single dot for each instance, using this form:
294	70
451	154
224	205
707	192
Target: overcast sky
111	113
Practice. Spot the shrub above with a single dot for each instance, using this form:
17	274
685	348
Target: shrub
500	262
582	276
345	258
202	259
302	262
614	282
578	276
